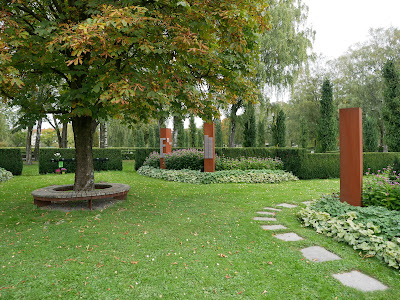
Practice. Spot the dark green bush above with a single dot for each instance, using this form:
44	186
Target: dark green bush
11	160
190	159
247	163
321	166
378	160
46	155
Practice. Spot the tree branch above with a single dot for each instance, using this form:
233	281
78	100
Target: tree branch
28	11
61	74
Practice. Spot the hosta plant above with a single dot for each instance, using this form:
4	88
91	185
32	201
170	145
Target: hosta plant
5	175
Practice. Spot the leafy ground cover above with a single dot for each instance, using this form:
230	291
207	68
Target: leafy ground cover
373	230
170	240
5	175
231	176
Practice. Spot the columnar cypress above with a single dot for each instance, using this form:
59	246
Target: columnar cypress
391	111
250	128
303	133
370	135
261	134
139	137
192	132
326	140
218	133
279	130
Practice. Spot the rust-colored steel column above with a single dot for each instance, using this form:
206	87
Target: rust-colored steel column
351	156
165	144
209	147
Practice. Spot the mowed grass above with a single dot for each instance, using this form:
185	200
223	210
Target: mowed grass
170	240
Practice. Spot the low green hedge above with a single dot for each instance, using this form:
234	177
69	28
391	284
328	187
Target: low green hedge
320	165
47	166
11	160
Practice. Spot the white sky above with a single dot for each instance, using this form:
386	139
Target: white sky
342	23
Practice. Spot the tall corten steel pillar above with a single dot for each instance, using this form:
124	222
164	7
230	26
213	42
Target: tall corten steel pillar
209	147
165	144
351	156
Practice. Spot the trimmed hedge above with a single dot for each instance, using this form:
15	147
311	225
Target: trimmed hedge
320	166
47	166
11	160
327	165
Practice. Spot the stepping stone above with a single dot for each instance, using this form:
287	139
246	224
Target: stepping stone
273	227
307	202
270	213
289	237
287	205
360	281
318	254
274	209
263	219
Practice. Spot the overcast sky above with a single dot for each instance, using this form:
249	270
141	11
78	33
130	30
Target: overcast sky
342	23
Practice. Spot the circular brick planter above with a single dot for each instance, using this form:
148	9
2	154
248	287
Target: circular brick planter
63	193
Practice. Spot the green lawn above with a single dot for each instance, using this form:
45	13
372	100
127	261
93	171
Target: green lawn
170	240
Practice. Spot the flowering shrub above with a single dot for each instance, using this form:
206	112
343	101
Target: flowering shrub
382	189
191	159
5	175
248	163
153	160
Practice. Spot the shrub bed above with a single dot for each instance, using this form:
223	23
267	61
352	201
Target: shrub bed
5	175
382	189
248	163
46	155
374	230
11	160
237	176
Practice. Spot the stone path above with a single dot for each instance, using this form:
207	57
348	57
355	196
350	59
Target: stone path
354	279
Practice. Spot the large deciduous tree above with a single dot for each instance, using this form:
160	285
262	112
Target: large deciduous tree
138	59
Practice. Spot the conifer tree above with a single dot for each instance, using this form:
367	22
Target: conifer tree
192	132
370	133
261	134
218	133
303	133
279	130
391	111
327	126
139	137
250	128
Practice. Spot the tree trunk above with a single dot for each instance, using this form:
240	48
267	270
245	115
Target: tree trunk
28	146
64	135
84	128
37	140
103	135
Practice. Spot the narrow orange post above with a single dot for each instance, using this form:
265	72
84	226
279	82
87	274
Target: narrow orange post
165	144
351	156
209	147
